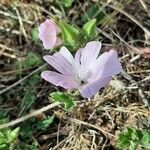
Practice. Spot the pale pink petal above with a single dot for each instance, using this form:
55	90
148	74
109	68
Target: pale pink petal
59	79
58	42
47	33
65	53
56	27
90	52
60	63
106	65
91	88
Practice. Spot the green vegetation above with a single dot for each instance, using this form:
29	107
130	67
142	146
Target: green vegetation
131	138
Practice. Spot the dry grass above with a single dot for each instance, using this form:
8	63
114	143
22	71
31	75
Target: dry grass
93	124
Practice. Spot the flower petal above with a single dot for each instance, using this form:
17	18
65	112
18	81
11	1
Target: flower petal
58	42
78	56
65	53
85	57
90	53
91	88
59	79
106	65
47	33
60	63
56	28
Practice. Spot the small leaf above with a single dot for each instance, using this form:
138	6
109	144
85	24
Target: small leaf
28	100
2	138
13	134
94	11
70	34
133	145
123	140
3	147
89	29
66	3
32	59
46	122
65	99
145	141
134	134
128	138
34	35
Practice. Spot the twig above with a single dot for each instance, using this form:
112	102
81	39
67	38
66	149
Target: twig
21	24
105	34
122	40
7	48
91	125
21	80
132	18
9	30
139	71
14	122
145	7
14	17
143	97
64	140
8	55
134	58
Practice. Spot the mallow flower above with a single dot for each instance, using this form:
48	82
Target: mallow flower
48	32
87	71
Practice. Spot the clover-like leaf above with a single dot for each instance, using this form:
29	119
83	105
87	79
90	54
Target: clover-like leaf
63	98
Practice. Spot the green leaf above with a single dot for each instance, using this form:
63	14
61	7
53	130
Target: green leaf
128	138
31	60
134	134
63	98
2	138
95	11
123	140
3	147
28	100
27	129
13	134
131	138
133	145
34	35
46	122
33	81
89	29
145	141
70	34
2	121
66	3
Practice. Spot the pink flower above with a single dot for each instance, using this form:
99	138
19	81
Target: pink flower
86	72
48	31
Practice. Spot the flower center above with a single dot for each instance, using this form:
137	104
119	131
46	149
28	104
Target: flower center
83	82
